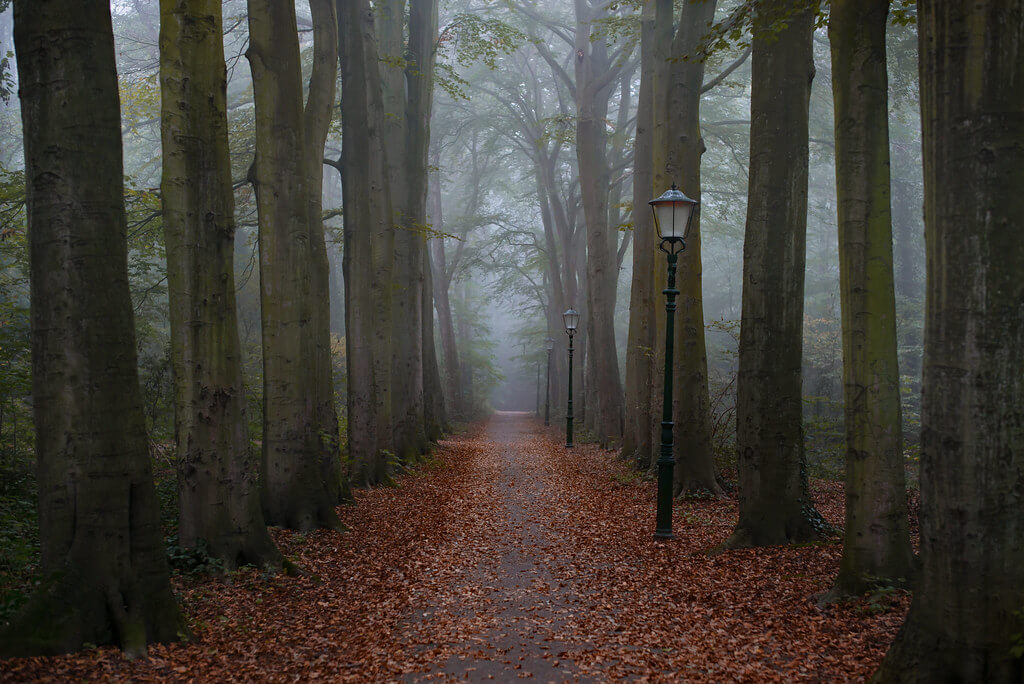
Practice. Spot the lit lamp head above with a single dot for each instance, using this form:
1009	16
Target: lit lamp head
571	318
673	213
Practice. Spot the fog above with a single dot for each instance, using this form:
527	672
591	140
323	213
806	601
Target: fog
497	97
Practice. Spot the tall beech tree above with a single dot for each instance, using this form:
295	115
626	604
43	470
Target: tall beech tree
369	242
678	137
407	52
105	573
876	545
406	319
317	115
775	507
298	490
443	271
597	68
218	486
669	147
387	84
419	76
639	442
964	623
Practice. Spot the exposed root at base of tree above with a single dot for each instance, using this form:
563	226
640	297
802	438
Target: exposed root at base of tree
69	612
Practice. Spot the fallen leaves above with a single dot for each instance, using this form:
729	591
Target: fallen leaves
516	557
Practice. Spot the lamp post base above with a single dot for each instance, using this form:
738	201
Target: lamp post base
664	535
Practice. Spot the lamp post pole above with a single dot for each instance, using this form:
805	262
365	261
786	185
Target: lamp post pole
568	413
547	390
537	411
673	212
666	461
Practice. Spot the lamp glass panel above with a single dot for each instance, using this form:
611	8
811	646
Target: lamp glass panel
571	318
673	218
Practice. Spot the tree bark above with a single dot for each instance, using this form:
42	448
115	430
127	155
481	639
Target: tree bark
965	622
593	91
407	338
218	485
106	576
637	441
369	255
317	115
442	301
642	352
296	493
694	452
775	506
434	413
876	544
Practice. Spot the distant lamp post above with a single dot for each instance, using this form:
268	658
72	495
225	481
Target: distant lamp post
537	410
547	384
673	212
571	319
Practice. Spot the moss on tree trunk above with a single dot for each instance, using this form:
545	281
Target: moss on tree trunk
296	492
876	545
775	506
218	477
102	558
966	619
369	258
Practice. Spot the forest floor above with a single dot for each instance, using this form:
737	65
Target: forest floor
508	556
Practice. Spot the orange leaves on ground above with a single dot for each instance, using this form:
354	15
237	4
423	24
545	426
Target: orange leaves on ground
512	557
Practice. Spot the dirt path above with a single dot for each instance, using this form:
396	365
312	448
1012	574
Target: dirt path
508	556
502	612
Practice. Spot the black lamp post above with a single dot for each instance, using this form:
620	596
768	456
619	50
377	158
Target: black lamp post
537	410
672	214
547	385
571	319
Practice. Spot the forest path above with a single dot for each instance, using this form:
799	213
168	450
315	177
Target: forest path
503	613
508	556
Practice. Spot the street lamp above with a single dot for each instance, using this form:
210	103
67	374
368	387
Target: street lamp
536	411
571	319
673	212
547	385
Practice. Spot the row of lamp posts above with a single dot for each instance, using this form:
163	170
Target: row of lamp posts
673	213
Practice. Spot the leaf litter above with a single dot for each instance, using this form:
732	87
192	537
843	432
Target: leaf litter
509	557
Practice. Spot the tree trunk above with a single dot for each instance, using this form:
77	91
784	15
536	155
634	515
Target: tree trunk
465	341
694	452
407	336
317	117
637	442
369	256
218	485
442	301
296	493
434	415
775	506
106	576
593	90
964	623
876	545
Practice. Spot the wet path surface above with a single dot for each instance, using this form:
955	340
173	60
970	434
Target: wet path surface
504	610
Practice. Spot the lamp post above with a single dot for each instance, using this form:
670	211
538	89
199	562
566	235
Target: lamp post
547	385
571	319
672	214
537	410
